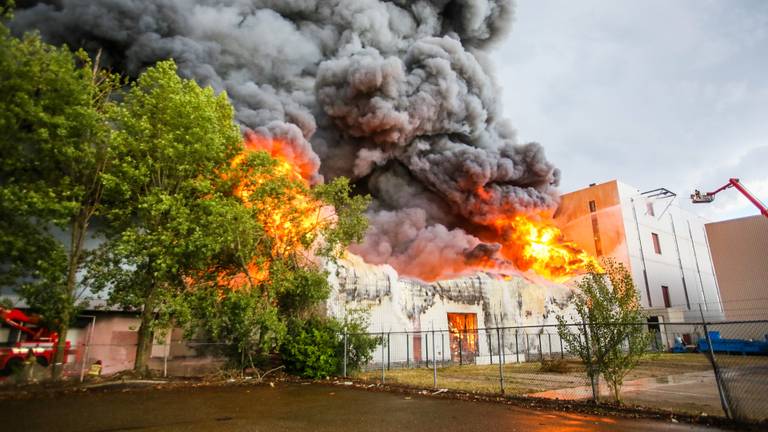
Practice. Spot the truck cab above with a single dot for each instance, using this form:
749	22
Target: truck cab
25	335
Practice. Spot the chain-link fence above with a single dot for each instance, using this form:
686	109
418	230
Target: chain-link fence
88	361
713	368
697	368
739	355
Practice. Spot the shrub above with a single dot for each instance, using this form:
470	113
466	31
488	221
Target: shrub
315	348
311	349
555	366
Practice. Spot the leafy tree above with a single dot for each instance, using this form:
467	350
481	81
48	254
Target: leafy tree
265	273
611	337
55	150
174	138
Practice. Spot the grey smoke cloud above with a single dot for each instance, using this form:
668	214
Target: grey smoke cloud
395	94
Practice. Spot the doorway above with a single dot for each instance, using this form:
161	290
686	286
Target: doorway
463	331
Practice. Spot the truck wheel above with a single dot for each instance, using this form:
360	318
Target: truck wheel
42	361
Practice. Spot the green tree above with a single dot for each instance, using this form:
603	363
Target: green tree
55	149
174	138
266	273
611	337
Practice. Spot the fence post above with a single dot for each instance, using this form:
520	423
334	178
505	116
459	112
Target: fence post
461	353
383	377
434	360
442	347
345	353
165	359
407	350
590	369
84	360
549	337
91	328
501	364
388	339
562	355
541	350
517	348
718	378
490	350
503	353
426	349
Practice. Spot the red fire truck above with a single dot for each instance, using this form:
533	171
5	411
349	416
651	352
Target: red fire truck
26	334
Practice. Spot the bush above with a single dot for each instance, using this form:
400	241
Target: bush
360	345
315	348
555	366
311	349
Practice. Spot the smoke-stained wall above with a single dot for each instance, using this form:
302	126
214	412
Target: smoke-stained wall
395	304
397	95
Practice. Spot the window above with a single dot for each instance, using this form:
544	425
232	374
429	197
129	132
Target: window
665	294
649	208
656	244
592	207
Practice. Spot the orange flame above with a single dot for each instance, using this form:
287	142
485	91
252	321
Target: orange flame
529	242
539	246
287	221
463	334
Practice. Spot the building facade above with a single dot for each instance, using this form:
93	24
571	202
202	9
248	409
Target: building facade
740	253
665	247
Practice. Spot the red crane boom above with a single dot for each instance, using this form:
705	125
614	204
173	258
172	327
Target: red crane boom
698	198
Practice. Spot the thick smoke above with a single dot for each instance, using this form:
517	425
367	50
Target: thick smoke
395	94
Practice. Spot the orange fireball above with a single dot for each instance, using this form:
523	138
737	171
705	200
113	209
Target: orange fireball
539	246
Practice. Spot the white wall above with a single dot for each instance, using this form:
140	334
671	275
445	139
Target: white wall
399	305
690	257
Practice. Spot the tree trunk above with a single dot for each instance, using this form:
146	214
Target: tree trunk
78	228
144	342
57	366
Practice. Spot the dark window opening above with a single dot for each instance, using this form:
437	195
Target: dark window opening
649	208
592	207
656	244
665	294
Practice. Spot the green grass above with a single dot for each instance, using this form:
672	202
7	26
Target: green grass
526	378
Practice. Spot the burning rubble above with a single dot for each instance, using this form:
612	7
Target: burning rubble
396	95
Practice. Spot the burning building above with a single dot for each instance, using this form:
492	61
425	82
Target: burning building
400	97
467	306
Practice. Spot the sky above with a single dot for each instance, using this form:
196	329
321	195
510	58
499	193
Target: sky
655	94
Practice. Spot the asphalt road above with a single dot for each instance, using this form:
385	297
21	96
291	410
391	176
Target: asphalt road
293	407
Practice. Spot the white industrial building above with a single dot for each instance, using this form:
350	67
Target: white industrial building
455	319
664	246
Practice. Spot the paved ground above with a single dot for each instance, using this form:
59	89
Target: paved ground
677	382
294	407
693	392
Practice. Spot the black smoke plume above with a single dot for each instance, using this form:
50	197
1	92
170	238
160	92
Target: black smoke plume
397	95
